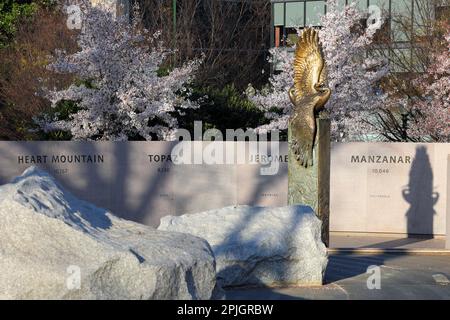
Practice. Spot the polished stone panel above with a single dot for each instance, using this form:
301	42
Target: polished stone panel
447	242
137	181
133	179
257	189
389	187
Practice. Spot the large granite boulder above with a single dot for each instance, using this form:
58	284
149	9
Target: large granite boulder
54	246
256	246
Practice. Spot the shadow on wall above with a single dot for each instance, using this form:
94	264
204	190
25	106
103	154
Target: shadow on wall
420	196
108	185
132	189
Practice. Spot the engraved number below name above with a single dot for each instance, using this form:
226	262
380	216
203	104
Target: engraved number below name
380	171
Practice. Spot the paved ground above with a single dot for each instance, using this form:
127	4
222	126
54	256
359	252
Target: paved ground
402	277
352	240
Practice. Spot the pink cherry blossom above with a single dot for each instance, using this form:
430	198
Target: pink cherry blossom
352	76
126	97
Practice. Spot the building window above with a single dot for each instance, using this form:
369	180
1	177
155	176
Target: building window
314	11
295	14
403	23
289	15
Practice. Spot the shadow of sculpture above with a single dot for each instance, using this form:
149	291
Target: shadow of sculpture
419	218
421	198
419	194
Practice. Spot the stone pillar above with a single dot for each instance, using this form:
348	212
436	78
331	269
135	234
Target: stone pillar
311	186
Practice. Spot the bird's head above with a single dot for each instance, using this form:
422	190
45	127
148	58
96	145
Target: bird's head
321	87
323	94
292	96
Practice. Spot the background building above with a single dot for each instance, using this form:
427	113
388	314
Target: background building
395	38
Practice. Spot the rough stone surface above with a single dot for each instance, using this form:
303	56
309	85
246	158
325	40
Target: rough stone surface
259	246
46	234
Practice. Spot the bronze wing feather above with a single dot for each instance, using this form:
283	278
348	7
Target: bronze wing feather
308	95
308	64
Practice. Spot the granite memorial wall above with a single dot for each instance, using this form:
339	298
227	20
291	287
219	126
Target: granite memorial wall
447	242
389	187
140	182
375	187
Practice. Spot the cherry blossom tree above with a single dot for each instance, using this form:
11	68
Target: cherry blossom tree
416	107
119	93
352	75
434	105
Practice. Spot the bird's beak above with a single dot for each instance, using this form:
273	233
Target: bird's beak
320	87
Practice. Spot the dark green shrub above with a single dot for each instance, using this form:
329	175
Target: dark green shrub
14	11
222	109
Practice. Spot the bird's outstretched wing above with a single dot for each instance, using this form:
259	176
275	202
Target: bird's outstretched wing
308	63
323	78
